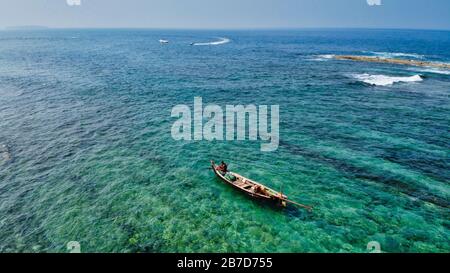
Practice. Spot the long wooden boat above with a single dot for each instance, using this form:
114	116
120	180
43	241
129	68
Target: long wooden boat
253	188
250	187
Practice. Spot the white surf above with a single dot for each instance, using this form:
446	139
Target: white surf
383	80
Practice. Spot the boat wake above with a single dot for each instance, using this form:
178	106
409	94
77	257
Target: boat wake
383	80
220	42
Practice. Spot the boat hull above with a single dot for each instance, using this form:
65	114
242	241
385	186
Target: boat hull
273	197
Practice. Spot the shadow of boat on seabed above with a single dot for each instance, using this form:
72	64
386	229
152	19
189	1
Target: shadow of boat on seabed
351	171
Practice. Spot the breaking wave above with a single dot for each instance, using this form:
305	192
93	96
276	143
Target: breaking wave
220	42
323	57
383	80
433	70
390	55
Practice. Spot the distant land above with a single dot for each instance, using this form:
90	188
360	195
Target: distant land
26	27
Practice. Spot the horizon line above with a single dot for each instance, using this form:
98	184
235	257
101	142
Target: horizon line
39	27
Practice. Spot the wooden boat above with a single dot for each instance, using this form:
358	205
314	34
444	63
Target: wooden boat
253	188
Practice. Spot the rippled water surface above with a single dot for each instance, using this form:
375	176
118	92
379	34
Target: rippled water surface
86	152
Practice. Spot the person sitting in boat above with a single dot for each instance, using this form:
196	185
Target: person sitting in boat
223	167
259	189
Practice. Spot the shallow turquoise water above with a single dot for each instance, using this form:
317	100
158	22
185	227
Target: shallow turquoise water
88	155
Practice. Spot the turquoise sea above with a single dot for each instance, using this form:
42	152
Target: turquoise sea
86	152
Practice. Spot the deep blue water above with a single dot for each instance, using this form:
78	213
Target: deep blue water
86	152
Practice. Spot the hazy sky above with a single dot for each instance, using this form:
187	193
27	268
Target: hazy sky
433	14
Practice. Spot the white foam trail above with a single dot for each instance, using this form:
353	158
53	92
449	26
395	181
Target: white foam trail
220	42
383	80
390	55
